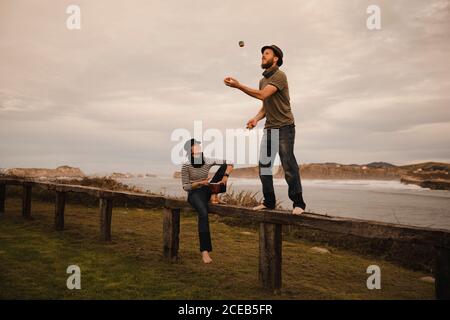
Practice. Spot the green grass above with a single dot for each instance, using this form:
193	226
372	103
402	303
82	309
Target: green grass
34	259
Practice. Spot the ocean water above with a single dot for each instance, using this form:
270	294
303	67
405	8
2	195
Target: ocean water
386	201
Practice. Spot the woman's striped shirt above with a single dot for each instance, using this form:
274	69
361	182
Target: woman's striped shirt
190	174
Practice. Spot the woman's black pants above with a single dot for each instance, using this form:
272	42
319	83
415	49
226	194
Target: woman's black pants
199	199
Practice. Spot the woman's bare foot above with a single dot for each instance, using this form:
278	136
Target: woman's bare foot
206	258
214	198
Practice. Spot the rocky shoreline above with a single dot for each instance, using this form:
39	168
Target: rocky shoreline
61	172
65	173
437	184
433	175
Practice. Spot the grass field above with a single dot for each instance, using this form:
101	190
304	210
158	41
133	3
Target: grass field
34	259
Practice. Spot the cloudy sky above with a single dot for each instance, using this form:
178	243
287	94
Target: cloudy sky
107	97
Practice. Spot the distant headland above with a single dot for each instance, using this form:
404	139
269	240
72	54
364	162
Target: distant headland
433	175
65	172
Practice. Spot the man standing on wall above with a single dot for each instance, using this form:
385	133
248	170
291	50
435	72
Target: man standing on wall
279	129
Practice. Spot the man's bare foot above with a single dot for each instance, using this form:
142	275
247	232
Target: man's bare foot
298	210
259	207
205	257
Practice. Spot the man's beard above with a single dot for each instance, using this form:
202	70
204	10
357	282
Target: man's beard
268	64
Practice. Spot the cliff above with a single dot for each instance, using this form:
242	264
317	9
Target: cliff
43	173
433	175
377	171
342	171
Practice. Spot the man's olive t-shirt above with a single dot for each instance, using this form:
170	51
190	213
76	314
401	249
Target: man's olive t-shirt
277	106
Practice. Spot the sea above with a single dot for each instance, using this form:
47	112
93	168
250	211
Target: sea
374	200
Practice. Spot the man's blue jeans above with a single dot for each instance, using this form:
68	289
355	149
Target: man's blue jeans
286	139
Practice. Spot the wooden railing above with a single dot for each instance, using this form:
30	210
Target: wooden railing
270	231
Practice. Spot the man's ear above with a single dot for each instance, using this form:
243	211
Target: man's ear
275	58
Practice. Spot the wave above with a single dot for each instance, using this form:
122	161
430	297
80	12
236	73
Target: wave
328	183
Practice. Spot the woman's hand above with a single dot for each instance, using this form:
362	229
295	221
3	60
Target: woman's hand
200	183
203	182
224	180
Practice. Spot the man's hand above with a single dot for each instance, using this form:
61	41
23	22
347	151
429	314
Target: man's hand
262	94
252	123
231	82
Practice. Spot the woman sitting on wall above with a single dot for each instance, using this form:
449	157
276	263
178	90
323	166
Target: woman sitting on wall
195	180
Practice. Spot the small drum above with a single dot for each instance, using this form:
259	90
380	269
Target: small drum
215	187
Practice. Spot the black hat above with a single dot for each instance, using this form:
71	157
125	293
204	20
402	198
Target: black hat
277	51
188	144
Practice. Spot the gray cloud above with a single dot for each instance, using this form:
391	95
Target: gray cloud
108	96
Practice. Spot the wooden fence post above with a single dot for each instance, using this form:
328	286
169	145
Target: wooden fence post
26	200
442	273
105	205
171	232
2	197
270	247
59	210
